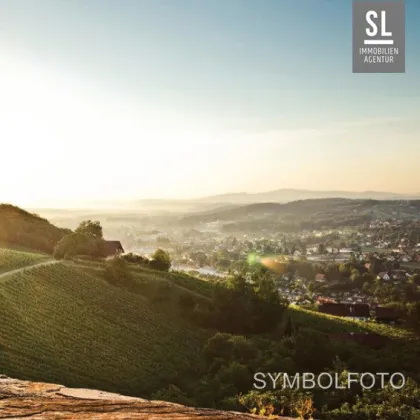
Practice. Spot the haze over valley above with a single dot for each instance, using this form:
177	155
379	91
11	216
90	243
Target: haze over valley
198	196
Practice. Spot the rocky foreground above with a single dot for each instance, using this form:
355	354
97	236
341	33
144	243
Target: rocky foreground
35	400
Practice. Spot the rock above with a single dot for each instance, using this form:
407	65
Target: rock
35	401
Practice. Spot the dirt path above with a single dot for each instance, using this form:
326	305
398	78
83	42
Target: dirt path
18	270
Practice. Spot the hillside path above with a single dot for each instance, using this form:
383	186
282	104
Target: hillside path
18	270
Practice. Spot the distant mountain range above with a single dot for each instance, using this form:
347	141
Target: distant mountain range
319	211
285	195
209	203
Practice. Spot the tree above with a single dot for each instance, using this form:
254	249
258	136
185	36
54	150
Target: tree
135	259
200	258
312	351
413	312
305	269
161	260
87	227
288	328
173	394
415	279
375	266
236	375
321	249
352	259
332	272
75	244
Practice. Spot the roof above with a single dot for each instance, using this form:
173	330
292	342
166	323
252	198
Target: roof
322	299
337	309
113	247
361	310
385	313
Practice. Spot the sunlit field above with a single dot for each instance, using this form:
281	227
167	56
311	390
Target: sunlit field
13	259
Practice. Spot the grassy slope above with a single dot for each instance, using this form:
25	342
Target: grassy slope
335	324
13	259
64	324
180	282
400	353
23	229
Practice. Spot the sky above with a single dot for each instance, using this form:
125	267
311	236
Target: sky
104	99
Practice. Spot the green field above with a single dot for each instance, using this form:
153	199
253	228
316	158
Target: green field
13	259
335	324
179	283
400	352
62	323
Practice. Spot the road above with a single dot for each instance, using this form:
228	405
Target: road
18	270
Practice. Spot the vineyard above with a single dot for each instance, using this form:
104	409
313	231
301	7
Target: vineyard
65	325
151	280
335	324
182	280
11	259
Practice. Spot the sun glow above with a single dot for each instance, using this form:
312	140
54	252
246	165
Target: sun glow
70	141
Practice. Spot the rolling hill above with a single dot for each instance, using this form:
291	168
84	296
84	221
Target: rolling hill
12	259
311	210
64	323
21	228
285	195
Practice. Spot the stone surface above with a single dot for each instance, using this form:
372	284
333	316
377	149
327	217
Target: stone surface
33	401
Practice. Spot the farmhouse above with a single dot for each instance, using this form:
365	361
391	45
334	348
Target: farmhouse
113	248
384	314
337	309
353	310
360	310
384	276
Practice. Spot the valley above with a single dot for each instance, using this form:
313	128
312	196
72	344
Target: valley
193	321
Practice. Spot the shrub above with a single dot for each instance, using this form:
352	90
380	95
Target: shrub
117	272
161	260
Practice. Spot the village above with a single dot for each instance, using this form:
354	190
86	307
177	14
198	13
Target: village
342	271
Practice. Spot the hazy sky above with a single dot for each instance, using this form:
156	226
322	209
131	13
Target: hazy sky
186	98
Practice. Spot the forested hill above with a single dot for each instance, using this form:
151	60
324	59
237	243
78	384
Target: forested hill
21	228
315	210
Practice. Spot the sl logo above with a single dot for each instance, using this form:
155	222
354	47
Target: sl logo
372	31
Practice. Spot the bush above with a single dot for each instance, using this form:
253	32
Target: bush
173	394
76	244
117	272
136	259
160	260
